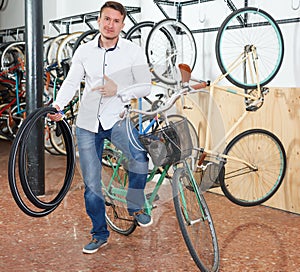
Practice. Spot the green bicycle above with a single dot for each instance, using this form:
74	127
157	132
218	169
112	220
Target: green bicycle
194	218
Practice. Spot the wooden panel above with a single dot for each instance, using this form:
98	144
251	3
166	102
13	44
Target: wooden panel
280	114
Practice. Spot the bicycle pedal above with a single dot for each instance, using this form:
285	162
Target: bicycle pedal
155	198
265	90
108	203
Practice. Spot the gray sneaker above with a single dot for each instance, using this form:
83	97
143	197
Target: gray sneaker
93	246
143	219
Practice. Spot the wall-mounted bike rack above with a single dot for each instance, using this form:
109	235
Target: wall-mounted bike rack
17	33
87	18
229	3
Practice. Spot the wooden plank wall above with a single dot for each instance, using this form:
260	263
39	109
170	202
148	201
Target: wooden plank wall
280	114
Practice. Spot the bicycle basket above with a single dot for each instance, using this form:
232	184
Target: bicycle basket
169	144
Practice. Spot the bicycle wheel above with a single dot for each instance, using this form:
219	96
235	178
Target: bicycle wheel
169	43
248	187
114	188
254	32
195	222
54	132
65	48
85	37
46	43
139	33
5	119
18	114
13	54
53	47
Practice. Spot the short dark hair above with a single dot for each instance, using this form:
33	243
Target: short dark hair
116	6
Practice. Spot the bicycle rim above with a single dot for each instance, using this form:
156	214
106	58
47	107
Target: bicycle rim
139	33
12	55
195	222
84	38
169	43
242	29
114	188
248	187
66	47
53	47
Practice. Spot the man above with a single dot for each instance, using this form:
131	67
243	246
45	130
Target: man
108	63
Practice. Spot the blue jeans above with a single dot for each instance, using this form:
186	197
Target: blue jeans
90	147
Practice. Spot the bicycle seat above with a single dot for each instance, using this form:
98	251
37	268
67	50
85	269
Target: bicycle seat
186	74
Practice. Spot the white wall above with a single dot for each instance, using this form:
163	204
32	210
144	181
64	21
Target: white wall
203	15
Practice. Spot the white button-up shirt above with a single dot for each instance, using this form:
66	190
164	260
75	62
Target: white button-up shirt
125	64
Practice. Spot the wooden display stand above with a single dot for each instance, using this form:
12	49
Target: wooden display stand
280	114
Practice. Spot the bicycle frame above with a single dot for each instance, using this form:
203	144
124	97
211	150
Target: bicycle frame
256	100
111	191
196	188
14	102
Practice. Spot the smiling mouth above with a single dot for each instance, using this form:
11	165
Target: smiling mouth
109	31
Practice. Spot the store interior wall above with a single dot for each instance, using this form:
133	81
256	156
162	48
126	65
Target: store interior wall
280	114
196	16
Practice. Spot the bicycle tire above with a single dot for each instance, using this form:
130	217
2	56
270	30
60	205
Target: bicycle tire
12	180
46	43
19	150
114	188
70	167
11	55
85	37
5	132
53	47
2	4
169	43
139	33
195	222
55	135
17	118
66	47
242	29
247	187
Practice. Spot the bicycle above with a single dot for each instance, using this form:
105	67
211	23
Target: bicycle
240	40
191	209
167	42
12	108
249	63
251	167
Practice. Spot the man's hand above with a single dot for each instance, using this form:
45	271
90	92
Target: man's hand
56	116
108	89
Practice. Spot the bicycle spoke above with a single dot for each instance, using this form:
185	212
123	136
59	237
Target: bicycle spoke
195	222
262	149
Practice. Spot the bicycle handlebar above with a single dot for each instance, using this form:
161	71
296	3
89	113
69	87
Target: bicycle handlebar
186	88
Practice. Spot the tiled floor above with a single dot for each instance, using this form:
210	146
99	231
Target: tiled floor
250	239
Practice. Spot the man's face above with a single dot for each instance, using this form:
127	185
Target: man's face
110	23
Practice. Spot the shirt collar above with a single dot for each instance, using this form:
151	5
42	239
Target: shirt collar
97	42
